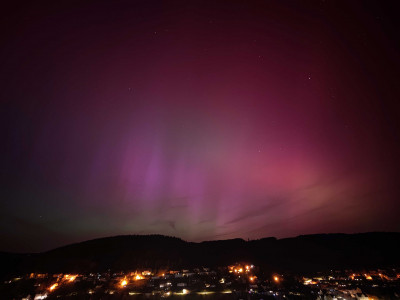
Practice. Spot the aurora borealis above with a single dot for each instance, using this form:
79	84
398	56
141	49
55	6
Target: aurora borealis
197	119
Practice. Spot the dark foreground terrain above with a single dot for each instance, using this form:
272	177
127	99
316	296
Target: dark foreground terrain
323	267
303	254
238	281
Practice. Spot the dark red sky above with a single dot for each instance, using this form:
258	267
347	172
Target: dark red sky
197	119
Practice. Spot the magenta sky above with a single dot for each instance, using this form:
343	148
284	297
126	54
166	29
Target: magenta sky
202	120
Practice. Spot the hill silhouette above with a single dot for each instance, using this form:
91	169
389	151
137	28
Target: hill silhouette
299	254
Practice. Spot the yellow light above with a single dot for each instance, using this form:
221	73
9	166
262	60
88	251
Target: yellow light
185	291
146	273
247	267
53	287
205	293
72	278
124	283
307	281
276	278
240	270
138	277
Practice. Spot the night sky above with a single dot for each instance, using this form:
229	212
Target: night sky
198	119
